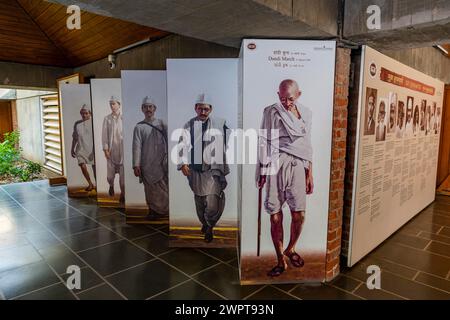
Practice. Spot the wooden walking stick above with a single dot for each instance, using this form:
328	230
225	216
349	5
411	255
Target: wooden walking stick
258	248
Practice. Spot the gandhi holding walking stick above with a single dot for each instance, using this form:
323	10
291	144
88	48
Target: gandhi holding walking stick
285	169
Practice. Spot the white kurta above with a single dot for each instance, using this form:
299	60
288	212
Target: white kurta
112	137
84	149
150	150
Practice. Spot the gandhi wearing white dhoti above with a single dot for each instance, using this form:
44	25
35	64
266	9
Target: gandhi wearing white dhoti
206	177
83	144
112	142
150	160
285	168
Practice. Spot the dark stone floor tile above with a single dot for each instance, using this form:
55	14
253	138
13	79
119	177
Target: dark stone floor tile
224	280
445	232
115	257
59	257
411	241
146	280
417	259
117	223
13	211
433	281
433	218
68	227
270	293
321	292
401	270
190	261
223	254
42	240
30	277
188	291
103	292
375	294
286	286
12	239
39	206
17	257
90	239
345	283
410	289
56	292
94	211
439	248
61	213
7	203
26	198
89	279
436	237
156	243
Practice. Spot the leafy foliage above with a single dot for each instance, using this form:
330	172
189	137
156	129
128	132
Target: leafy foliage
11	164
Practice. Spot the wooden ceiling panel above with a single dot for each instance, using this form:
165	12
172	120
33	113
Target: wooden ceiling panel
21	40
34	31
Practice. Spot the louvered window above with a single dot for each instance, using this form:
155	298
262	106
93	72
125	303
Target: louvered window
51	133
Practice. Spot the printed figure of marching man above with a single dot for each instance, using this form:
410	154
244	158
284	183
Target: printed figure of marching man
112	142
82	147
202	137
285	170
150	163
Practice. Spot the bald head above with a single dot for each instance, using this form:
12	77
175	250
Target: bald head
289	93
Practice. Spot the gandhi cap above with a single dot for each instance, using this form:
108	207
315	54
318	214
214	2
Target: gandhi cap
114	98
148	100
85	107
203	98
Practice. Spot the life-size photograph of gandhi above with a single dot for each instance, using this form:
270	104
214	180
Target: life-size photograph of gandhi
112	144
371	102
206	180
150	162
82	148
289	178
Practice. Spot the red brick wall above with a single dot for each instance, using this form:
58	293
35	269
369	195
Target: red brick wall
351	144
338	162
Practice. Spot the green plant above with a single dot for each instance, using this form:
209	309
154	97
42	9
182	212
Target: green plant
11	163
9	152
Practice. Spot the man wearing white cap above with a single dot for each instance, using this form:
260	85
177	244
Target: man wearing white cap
83	144
112	142
150	160
206	178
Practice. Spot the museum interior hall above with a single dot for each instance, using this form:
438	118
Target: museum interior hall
256	150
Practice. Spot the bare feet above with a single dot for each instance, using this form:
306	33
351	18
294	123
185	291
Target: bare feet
89	188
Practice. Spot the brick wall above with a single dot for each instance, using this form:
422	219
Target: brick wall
351	145
338	162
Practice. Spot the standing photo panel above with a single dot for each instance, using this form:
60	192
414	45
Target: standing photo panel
287	99
395	169
203	108
78	140
108	141
144	98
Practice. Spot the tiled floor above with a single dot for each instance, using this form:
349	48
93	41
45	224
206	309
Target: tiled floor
42	232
